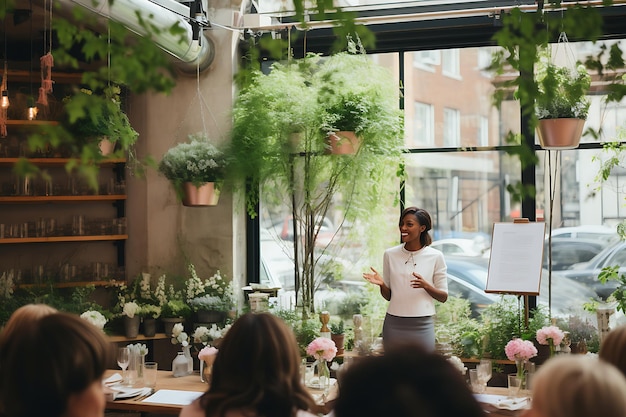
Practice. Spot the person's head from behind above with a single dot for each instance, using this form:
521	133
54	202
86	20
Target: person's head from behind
420	218
257	367
54	368
613	348
406	382
578	386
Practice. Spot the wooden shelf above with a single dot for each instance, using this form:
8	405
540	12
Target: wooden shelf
50	239
56	161
119	338
27	123
61	198
111	283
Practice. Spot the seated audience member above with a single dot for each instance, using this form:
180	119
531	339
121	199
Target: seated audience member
53	367
406	382
578	386
256	373
613	348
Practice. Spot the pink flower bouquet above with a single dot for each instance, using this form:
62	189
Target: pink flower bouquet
322	348
550	335
520	351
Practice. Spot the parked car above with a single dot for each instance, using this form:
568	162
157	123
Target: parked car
587	273
604	233
461	247
569	251
567	296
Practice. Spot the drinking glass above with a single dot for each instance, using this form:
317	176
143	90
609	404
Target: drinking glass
123	358
485	370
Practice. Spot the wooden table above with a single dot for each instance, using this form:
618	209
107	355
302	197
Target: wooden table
165	380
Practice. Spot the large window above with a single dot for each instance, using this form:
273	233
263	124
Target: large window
465	189
451	127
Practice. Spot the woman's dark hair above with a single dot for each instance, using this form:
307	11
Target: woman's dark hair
423	218
46	362
257	368
406	382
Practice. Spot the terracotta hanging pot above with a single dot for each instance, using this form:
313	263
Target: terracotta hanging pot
205	195
342	143
560	133
106	146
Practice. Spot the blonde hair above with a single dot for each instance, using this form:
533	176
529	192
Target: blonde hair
613	348
579	386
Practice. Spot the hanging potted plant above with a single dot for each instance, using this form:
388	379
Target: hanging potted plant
99	119
358	101
280	123
196	170
561	105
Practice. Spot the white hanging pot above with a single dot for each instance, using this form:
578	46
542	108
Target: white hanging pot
560	133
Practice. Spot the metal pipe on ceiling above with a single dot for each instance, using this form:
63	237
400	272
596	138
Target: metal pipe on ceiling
190	54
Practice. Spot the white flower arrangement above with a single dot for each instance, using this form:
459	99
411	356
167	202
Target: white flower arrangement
204	335
6	285
202	291
130	309
159	291
94	317
197	161
179	335
138	349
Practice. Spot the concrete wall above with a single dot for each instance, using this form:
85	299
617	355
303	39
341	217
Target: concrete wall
164	234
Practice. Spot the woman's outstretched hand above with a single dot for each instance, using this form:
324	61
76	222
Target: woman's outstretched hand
374	277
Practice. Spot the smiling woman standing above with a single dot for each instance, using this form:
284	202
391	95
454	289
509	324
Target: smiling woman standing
414	275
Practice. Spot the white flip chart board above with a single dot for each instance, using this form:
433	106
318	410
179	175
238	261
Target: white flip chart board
515	260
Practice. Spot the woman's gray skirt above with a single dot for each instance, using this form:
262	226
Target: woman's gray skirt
409	329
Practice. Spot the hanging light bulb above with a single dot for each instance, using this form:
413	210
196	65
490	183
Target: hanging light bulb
32	113
4	102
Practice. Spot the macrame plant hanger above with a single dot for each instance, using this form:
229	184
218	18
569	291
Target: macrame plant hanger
553	162
46	61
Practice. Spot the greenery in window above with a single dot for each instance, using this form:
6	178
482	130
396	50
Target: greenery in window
280	123
562	92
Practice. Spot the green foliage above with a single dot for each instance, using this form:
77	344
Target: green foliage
278	141
136	64
523	36
91	116
455	325
305	330
337	327
581	330
503	321
562	92
175	308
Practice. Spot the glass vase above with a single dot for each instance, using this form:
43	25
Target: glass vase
180	365
323	374
187	353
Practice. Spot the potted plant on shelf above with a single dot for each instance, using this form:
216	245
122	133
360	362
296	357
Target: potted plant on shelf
195	169
337	334
210	299
562	105
99	119
174	311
